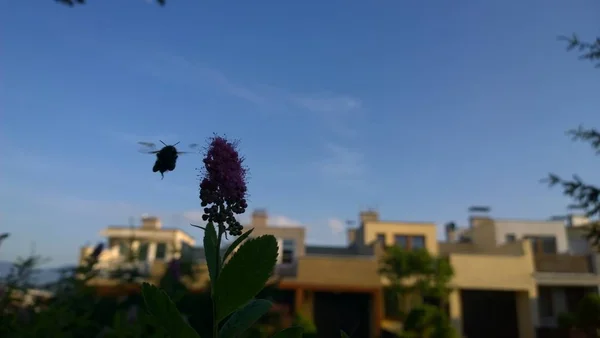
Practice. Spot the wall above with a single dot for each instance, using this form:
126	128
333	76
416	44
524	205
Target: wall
390	229
532	228
338	271
295	233
483	232
494	272
578	243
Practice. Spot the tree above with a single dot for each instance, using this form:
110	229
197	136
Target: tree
589	50
586	197
586	316
415	277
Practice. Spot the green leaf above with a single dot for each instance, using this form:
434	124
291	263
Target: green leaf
165	313
344	334
245	274
210	252
242	319
290	332
235	243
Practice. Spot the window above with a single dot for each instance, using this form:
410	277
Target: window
545	302
381	239
511	238
549	245
417	242
187	251
143	252
410	242
287	256
161	250
401	241
543	244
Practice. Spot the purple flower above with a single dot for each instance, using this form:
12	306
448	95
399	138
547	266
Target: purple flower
97	250
223	186
174	268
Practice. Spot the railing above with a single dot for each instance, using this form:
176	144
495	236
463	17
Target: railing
563	263
287	270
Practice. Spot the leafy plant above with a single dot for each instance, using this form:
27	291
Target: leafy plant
586	316
415	275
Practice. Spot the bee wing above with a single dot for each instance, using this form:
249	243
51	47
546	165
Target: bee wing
148	147
192	146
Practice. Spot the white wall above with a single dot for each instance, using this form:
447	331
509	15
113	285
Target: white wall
579	246
533	228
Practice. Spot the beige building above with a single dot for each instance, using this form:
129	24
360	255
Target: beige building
505	271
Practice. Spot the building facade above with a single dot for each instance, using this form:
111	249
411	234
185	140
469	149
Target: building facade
530	271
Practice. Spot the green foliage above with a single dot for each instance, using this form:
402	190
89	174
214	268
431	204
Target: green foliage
566	320
344	334
211	250
586	196
414	274
245	274
290	332
588	50
243	319
427	321
307	325
586	316
236	243
164	312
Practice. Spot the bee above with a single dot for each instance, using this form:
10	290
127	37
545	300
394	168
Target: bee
166	157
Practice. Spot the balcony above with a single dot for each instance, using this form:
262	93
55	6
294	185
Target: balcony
286	270
563	263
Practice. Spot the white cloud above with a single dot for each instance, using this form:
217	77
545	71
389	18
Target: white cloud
179	69
343	162
194	216
336	225
331	104
333	108
283	221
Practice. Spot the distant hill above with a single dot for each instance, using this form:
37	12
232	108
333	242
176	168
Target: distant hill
40	277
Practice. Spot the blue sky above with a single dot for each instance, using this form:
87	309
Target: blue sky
417	108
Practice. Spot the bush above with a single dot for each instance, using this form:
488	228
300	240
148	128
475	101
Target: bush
427	321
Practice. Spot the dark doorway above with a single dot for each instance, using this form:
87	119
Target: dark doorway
489	314
342	311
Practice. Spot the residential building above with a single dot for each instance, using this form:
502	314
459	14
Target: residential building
529	270
556	276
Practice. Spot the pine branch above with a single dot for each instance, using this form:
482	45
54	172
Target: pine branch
588	51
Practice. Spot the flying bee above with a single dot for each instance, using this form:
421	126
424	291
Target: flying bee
166	157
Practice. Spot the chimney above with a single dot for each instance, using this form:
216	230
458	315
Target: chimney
577	221
351	236
450	232
369	216
151	222
259	218
479	216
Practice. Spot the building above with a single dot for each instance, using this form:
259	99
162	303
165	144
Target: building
551	270
530	271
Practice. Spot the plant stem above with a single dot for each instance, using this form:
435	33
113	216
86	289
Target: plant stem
218	270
